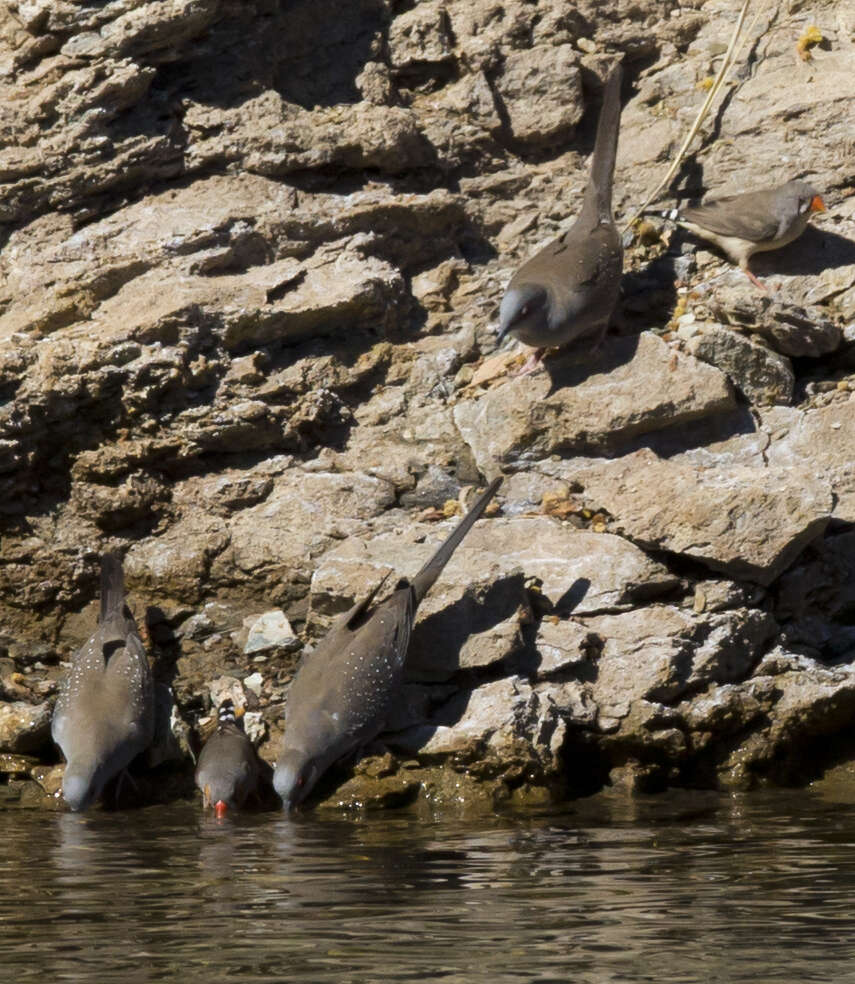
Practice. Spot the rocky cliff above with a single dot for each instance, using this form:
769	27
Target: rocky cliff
252	254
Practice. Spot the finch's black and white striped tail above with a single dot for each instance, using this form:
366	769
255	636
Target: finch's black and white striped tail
226	712
669	214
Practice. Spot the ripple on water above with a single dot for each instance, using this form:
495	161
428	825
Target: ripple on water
687	887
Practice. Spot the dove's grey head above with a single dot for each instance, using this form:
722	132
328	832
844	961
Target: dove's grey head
524	311
81	785
295	776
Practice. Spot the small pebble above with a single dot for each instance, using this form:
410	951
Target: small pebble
253	682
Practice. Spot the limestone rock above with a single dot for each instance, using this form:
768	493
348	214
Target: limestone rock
275	138
824	437
635	385
790	697
177	563
24	727
789	329
420	35
57	138
272	630
658	656
434	488
761	375
220	225
541	92
141	26
281	301
505	725
303	516
746	522
472	99
575	571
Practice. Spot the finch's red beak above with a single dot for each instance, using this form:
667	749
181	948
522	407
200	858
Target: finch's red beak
220	809
817	204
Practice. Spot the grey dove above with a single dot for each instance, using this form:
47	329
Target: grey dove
104	715
343	692
566	293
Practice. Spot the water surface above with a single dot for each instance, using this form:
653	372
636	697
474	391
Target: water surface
685	887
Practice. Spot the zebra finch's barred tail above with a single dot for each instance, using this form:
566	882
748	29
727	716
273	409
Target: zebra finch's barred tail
669	214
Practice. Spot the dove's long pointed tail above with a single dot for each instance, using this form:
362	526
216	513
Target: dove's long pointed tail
112	586
425	578
598	194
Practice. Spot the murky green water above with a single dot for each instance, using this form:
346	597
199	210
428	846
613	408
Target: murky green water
687	887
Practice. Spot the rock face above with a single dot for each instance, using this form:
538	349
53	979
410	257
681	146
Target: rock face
760	375
24	727
743	521
638	385
250	265
823	437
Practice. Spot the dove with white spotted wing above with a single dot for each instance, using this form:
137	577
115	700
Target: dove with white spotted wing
104	715
343	692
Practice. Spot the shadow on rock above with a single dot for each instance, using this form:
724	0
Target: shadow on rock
571	367
704	433
310	53
572	597
528	660
648	295
438	640
814	251
344	39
